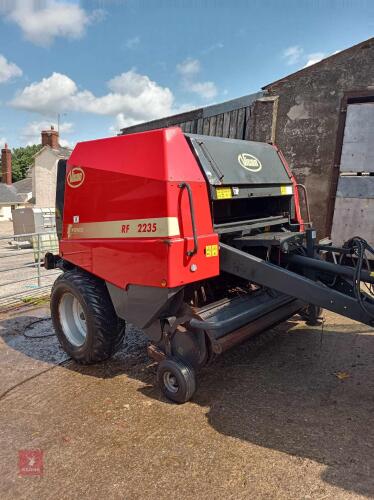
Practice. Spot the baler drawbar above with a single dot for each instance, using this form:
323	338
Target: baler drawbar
198	241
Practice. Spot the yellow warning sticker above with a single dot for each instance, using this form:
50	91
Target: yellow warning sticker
223	193
211	251
286	189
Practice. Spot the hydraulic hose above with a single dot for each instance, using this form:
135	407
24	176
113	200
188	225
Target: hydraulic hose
358	246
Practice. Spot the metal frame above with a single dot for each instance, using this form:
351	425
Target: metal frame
254	269
36	254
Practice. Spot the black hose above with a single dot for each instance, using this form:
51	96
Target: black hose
61	363
37	336
358	246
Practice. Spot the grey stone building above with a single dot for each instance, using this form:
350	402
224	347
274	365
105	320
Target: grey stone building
322	118
309	114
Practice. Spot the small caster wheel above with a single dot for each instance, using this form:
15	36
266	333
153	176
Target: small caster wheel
176	380
312	315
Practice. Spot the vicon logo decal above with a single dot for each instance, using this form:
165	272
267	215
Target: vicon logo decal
249	162
76	177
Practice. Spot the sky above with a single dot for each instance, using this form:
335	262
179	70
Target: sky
95	66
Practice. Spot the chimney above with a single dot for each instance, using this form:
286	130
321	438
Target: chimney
6	165
50	138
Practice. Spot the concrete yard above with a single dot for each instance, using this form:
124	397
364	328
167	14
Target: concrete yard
289	414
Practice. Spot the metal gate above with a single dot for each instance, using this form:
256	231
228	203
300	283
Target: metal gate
22	273
354	203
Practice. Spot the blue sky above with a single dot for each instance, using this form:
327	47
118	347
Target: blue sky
103	64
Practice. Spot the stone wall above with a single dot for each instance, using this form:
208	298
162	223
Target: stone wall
309	108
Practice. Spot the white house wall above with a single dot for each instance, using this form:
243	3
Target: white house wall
5	212
44	178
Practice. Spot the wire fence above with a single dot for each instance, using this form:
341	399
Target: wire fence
23	277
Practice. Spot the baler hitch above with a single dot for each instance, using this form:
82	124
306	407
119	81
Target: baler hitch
341	297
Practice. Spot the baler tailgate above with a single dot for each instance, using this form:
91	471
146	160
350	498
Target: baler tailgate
254	269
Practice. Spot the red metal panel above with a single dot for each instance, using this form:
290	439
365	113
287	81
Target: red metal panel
125	218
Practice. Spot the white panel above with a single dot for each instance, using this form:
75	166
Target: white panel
358	142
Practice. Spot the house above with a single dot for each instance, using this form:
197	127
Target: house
12	195
9	200
44	169
322	118
39	187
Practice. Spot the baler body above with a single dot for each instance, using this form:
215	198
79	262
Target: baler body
197	240
125	218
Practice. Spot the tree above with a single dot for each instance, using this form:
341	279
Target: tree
22	159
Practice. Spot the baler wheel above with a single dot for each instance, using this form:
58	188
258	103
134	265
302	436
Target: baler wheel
312	315
84	319
176	379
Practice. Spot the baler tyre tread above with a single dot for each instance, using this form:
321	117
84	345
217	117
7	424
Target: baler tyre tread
105	331
185	376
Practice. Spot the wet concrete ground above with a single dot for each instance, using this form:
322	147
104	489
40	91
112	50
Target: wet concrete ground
289	414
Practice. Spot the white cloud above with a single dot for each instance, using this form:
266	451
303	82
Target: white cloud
189	70
49	96
293	54
31	132
3	141
66	144
42	21
34	128
131	43
208	90
132	97
135	95
123	121
8	70
189	67
296	54
314	58
317	57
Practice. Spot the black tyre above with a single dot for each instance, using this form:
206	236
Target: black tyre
176	379
84	318
312	315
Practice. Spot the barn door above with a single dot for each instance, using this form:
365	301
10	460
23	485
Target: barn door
354	203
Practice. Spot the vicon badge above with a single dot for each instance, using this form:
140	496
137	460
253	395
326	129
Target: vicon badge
249	162
75	177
